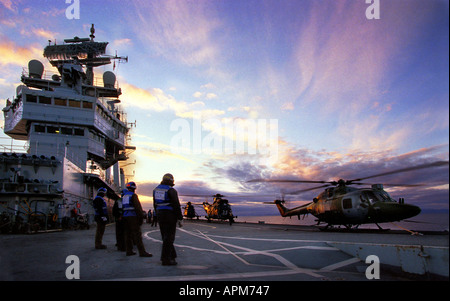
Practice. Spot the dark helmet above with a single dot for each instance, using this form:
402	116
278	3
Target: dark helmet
168	179
131	185
101	191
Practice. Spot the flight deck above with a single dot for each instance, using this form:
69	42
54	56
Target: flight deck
217	252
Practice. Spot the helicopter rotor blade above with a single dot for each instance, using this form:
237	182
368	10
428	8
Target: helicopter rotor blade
422	166
308	189
286	181
201	195
390	185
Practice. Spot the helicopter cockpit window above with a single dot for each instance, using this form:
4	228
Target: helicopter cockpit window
384	196
330	192
370	197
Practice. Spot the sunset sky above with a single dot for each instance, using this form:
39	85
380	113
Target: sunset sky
351	96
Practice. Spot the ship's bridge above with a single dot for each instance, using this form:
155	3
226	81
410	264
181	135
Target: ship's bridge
75	129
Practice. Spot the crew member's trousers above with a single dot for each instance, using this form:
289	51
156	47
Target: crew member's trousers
168	225
133	234
99	233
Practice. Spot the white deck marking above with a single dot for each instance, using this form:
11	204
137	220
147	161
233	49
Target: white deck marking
225	246
341	264
220	245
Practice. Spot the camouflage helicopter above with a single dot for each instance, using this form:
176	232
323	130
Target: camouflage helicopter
341	204
220	209
189	211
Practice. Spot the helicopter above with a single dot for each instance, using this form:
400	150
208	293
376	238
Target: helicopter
341	204
189	211
220	209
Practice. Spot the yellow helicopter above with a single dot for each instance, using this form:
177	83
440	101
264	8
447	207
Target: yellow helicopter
340	204
189	211
220	209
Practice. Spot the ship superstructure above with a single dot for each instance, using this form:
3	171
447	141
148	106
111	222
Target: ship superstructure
75	130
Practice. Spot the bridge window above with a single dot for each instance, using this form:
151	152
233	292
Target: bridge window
60	102
74	103
66	131
45	100
52	129
31	98
39	128
78	132
87	105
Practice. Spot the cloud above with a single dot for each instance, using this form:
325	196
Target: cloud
287	106
122	42
211	96
234	171
208	86
228	175
9	5
39	32
159	151
343	56
154	99
182	31
12	54
346	68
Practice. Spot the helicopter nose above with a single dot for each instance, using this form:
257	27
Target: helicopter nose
395	211
410	210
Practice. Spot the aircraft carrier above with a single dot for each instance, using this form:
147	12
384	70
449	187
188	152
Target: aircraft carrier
76	138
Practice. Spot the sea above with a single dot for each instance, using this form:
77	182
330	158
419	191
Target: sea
422	222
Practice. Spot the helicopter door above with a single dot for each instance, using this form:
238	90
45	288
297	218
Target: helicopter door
350	207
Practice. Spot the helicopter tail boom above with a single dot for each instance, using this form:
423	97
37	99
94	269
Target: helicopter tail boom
290	212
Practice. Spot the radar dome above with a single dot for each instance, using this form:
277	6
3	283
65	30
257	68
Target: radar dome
109	79
35	69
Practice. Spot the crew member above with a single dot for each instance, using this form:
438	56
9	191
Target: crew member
154	219
101	217
167	208
120	227
133	217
